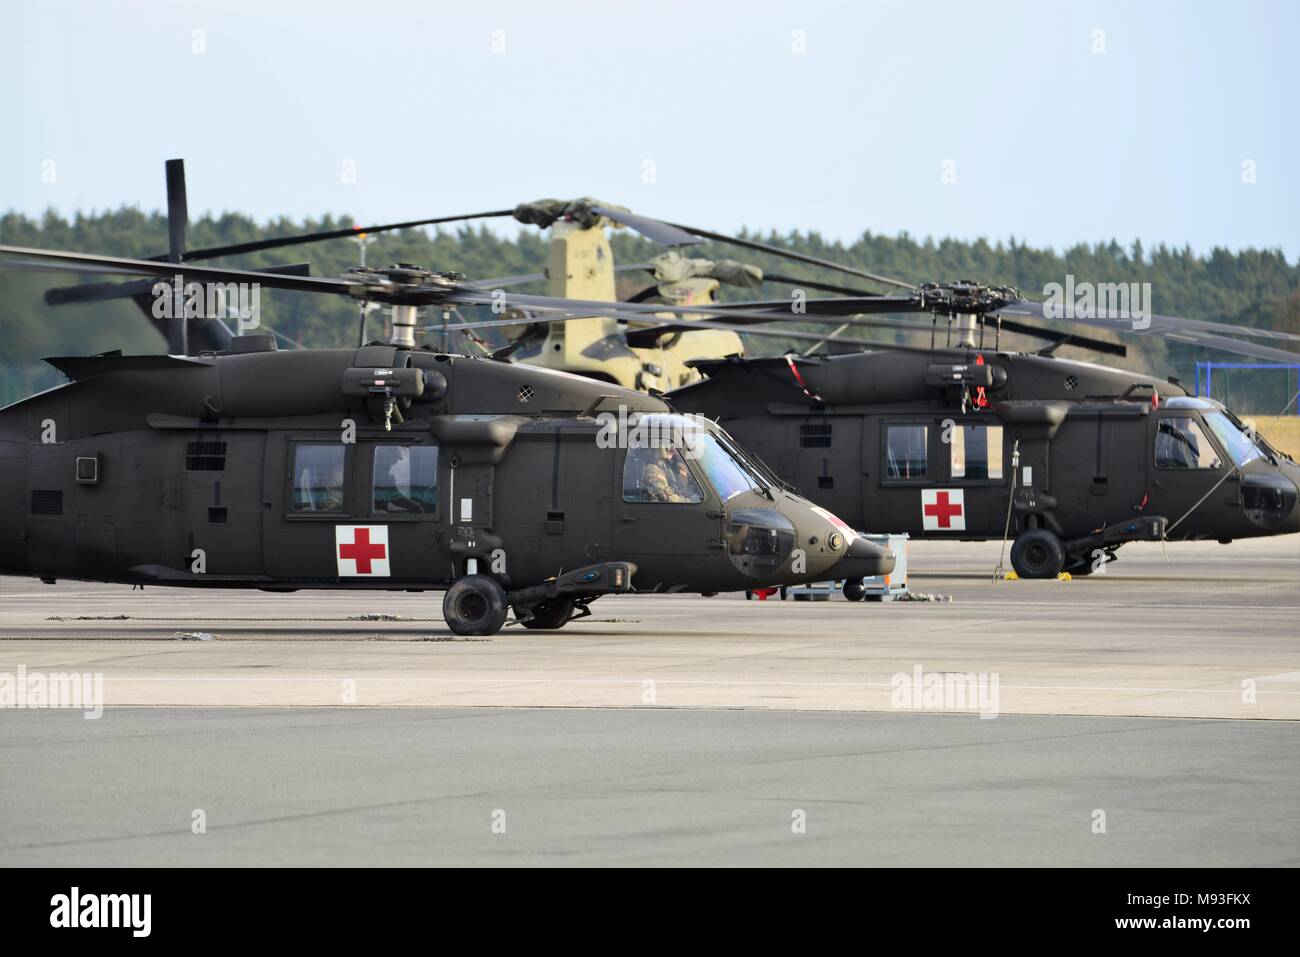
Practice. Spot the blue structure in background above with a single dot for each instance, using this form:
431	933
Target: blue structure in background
1205	373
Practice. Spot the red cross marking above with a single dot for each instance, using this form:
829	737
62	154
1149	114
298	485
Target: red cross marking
361	551
942	509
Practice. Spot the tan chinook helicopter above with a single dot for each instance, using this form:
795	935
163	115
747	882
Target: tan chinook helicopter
580	265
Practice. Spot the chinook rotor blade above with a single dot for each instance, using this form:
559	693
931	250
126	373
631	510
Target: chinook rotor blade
665	234
794	256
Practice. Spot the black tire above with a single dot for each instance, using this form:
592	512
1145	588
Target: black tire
1037	553
551	614
855	589
475	605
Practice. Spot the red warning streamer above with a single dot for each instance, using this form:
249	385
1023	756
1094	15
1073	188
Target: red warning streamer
789	360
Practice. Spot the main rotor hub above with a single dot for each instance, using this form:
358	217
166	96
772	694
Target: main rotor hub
967	298
404	282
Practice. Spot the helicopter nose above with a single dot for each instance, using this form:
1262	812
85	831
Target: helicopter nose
1292	471
863	559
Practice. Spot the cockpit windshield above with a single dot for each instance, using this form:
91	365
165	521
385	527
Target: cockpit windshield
1240	445
687	438
728	474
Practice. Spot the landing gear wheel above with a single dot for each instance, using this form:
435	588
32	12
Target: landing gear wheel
475	605
855	589
551	614
1037	553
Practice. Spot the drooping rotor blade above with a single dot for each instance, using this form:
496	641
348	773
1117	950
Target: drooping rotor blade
798	309
794	256
1008	325
399	285
1193	332
1150	325
641	312
103	291
813	284
501	282
257	245
86	262
1064	338
1211	335
97	292
694	324
666	234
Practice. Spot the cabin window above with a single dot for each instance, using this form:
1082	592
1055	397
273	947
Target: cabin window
1182	444
405	480
653	474
318	478
906	455
976	452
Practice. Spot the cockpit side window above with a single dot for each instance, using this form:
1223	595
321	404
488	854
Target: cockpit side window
659	474
1181	443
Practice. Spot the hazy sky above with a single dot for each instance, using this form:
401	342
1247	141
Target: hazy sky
837	117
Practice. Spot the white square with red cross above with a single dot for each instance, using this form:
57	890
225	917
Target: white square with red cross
943	510
361	550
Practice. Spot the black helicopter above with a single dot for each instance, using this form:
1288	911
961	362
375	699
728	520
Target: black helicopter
384	467
936	441
962	440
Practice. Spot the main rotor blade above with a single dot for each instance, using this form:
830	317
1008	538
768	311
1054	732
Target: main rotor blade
794	256
1065	338
97	292
695	324
1192	332
666	234
86	262
827	306
103	291
733	312
1150	325
257	245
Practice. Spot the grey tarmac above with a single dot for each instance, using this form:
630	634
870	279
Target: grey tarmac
1159	699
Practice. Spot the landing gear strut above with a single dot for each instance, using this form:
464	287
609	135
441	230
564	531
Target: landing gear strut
549	615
